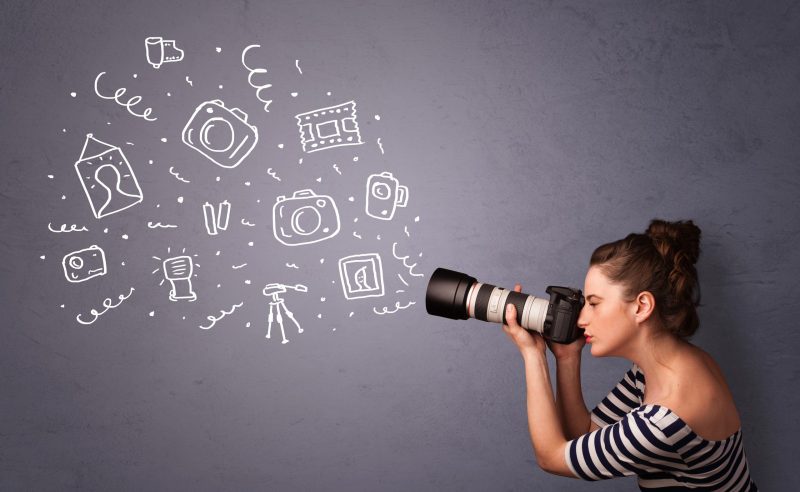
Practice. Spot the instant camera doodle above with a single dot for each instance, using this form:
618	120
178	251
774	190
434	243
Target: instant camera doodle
325	128
84	264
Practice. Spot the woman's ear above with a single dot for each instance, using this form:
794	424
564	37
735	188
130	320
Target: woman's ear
645	306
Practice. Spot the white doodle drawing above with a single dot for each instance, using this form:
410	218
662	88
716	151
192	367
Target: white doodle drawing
384	196
403	259
357	235
397	307
216	220
361	276
253	72
380	146
223	313
221	134
159	225
236	267
178	270
129	104
336	168
297	64
273	174
107	304
405	229
326	128
107	178
277	304
188	81
304	218
177	176
248	224
81	265
64	228
292	265
160	50
402	280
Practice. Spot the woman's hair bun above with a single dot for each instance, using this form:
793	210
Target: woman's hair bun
676	238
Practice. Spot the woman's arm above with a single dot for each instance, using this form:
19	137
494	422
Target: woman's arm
572	411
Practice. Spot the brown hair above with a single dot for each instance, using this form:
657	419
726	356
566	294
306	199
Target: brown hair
660	261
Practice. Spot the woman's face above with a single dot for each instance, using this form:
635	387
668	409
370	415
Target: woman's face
607	318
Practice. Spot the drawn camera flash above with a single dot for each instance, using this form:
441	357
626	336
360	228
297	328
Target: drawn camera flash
178	270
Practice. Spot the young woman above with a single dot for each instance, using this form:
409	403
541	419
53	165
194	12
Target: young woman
671	420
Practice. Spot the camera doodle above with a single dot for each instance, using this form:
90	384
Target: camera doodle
161	50
304	218
384	195
222	135
107	178
330	127
361	276
84	264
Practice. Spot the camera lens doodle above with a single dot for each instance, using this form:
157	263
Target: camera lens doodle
221	134
304	218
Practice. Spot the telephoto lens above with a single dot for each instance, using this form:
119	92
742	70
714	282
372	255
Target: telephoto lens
456	295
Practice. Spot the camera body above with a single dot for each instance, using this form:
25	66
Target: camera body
84	264
456	295
221	134
384	195
304	218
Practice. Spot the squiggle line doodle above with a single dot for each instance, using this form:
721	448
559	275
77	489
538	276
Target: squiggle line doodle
273	174
256	71
223	313
292	265
397	306
236	267
189	81
403	259
297	64
156	225
129	104
336	168
244	222
357	235
177	176
406	231
107	305
403	280
63	228
380	145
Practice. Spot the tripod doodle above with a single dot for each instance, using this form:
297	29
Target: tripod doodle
277	304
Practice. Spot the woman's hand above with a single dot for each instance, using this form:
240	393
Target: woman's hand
526	342
567	351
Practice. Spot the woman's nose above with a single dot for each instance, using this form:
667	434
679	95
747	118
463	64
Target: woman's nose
583	318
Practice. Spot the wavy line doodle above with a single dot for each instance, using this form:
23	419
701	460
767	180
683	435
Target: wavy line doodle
236	267
292	265
403	259
63	228
398	307
257	71
405	229
249	224
297	64
355	234
159	225
129	104
107	304
273	174
177	176
380	145
336	168
223	313
188	81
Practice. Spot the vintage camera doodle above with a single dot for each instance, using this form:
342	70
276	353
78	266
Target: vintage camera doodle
84	264
384	195
305	218
221	134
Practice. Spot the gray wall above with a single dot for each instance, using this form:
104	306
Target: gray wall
527	133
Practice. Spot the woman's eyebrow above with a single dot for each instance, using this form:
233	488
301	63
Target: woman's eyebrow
593	296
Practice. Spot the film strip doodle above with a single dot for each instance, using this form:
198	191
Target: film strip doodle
330	127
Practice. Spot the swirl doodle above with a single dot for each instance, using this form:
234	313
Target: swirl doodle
158	225
107	304
222	314
292	265
129	104
253	72
397	307
63	228
249	224
380	145
177	176
273	174
403	259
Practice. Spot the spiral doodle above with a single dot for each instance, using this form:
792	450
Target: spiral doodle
253	72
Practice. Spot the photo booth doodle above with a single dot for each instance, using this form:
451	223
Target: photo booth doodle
361	276
160	50
84	264
330	127
384	196
221	134
107	178
304	218
216	220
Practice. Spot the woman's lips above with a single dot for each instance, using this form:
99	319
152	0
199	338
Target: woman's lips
588	338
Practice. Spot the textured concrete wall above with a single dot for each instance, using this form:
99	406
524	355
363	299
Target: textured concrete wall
527	134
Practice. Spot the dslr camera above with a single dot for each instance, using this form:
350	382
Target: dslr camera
456	295
222	135
304	218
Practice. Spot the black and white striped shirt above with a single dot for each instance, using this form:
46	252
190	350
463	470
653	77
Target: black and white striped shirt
652	442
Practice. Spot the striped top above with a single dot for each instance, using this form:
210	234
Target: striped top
652	442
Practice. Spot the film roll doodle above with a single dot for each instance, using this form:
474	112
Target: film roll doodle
326	128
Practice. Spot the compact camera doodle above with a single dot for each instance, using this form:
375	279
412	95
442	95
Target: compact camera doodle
221	134
384	195
84	264
305	218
